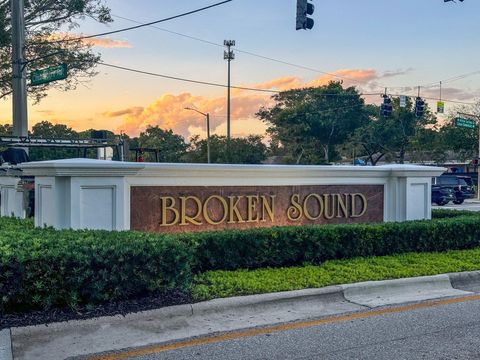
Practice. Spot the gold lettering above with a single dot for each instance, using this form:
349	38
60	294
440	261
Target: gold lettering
252	202
306	211
165	208
234	210
363	208
342	205
206	215
268	208
329	205
185	219
294	212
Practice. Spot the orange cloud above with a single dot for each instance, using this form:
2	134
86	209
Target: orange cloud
168	111
98	41
348	76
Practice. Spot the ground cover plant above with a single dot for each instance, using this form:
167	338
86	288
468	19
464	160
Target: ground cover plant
219	284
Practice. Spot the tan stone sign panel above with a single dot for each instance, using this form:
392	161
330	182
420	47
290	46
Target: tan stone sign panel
203	208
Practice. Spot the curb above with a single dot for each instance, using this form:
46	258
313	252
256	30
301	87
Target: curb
5	345
61	340
399	291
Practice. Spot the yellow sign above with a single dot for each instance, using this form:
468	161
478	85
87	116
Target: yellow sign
440	107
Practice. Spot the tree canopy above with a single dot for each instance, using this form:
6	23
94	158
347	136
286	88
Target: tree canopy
309	123
43	19
248	150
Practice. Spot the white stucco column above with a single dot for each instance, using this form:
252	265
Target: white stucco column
11	196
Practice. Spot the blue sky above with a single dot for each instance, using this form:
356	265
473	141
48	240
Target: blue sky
421	41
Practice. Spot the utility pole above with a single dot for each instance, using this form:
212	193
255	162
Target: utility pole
19	81
228	55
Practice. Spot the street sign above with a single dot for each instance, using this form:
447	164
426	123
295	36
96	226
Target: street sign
465	123
52	73
403	101
440	107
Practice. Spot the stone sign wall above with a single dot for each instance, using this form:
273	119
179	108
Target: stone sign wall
196	208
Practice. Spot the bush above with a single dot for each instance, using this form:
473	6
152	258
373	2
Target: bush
289	246
43	268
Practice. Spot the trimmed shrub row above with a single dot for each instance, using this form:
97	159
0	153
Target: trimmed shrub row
44	268
289	246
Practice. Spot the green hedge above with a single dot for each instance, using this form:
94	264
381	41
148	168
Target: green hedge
43	268
289	246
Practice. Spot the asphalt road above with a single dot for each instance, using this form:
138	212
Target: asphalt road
439	330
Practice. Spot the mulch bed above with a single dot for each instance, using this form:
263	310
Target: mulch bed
115	308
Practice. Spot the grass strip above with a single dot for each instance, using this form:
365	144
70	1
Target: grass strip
220	284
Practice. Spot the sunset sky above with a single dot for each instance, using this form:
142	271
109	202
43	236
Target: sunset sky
372	44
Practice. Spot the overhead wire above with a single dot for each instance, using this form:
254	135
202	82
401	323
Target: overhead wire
272	91
456	78
140	25
249	52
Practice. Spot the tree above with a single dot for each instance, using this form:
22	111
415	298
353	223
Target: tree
310	122
406	126
374	138
172	147
46	130
43	19
249	150
463	142
6	129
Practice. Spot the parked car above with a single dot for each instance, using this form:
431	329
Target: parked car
461	186
442	195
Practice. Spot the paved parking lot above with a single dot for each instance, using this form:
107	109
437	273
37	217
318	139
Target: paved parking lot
469	204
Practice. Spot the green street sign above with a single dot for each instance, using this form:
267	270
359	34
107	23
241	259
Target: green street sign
465	123
52	73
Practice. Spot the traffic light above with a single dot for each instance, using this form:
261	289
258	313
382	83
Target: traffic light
386	108
304	8
419	107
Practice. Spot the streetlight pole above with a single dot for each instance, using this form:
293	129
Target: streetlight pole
228	55
207	116
19	82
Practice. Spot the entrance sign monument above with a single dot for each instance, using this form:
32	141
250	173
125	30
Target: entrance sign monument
97	194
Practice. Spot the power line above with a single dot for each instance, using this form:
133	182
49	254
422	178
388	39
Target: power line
141	25
184	79
452	79
216	84
303	67
254	89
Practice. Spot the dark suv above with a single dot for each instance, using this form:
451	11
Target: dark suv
461	186
442	195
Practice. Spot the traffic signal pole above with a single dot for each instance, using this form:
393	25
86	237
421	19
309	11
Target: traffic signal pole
19	81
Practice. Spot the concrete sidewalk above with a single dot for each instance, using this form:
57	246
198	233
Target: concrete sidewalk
76	338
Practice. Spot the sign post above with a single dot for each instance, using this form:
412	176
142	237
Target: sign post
52	73
463	122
